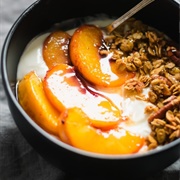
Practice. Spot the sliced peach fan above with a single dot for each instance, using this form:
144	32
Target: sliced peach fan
62	103
64	90
80	127
32	98
84	53
55	48
75	129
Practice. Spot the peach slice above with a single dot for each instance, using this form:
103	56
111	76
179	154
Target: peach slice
64	90
55	48
84	53
32	98
75	129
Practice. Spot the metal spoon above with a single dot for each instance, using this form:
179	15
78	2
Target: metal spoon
109	28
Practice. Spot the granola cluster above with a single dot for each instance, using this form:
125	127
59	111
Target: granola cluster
139	48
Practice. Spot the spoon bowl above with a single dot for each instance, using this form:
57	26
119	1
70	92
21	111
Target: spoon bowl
109	28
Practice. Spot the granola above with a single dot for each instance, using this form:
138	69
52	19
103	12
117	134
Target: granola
156	61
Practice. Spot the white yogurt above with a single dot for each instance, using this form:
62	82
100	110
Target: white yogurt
32	59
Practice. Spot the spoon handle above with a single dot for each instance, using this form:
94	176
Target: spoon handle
127	15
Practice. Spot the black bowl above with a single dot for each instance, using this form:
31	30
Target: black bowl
42	15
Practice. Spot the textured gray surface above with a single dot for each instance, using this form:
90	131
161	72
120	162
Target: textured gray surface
18	161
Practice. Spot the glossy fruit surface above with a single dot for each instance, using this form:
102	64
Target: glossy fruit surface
84	48
65	90
55	48
75	129
32	98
